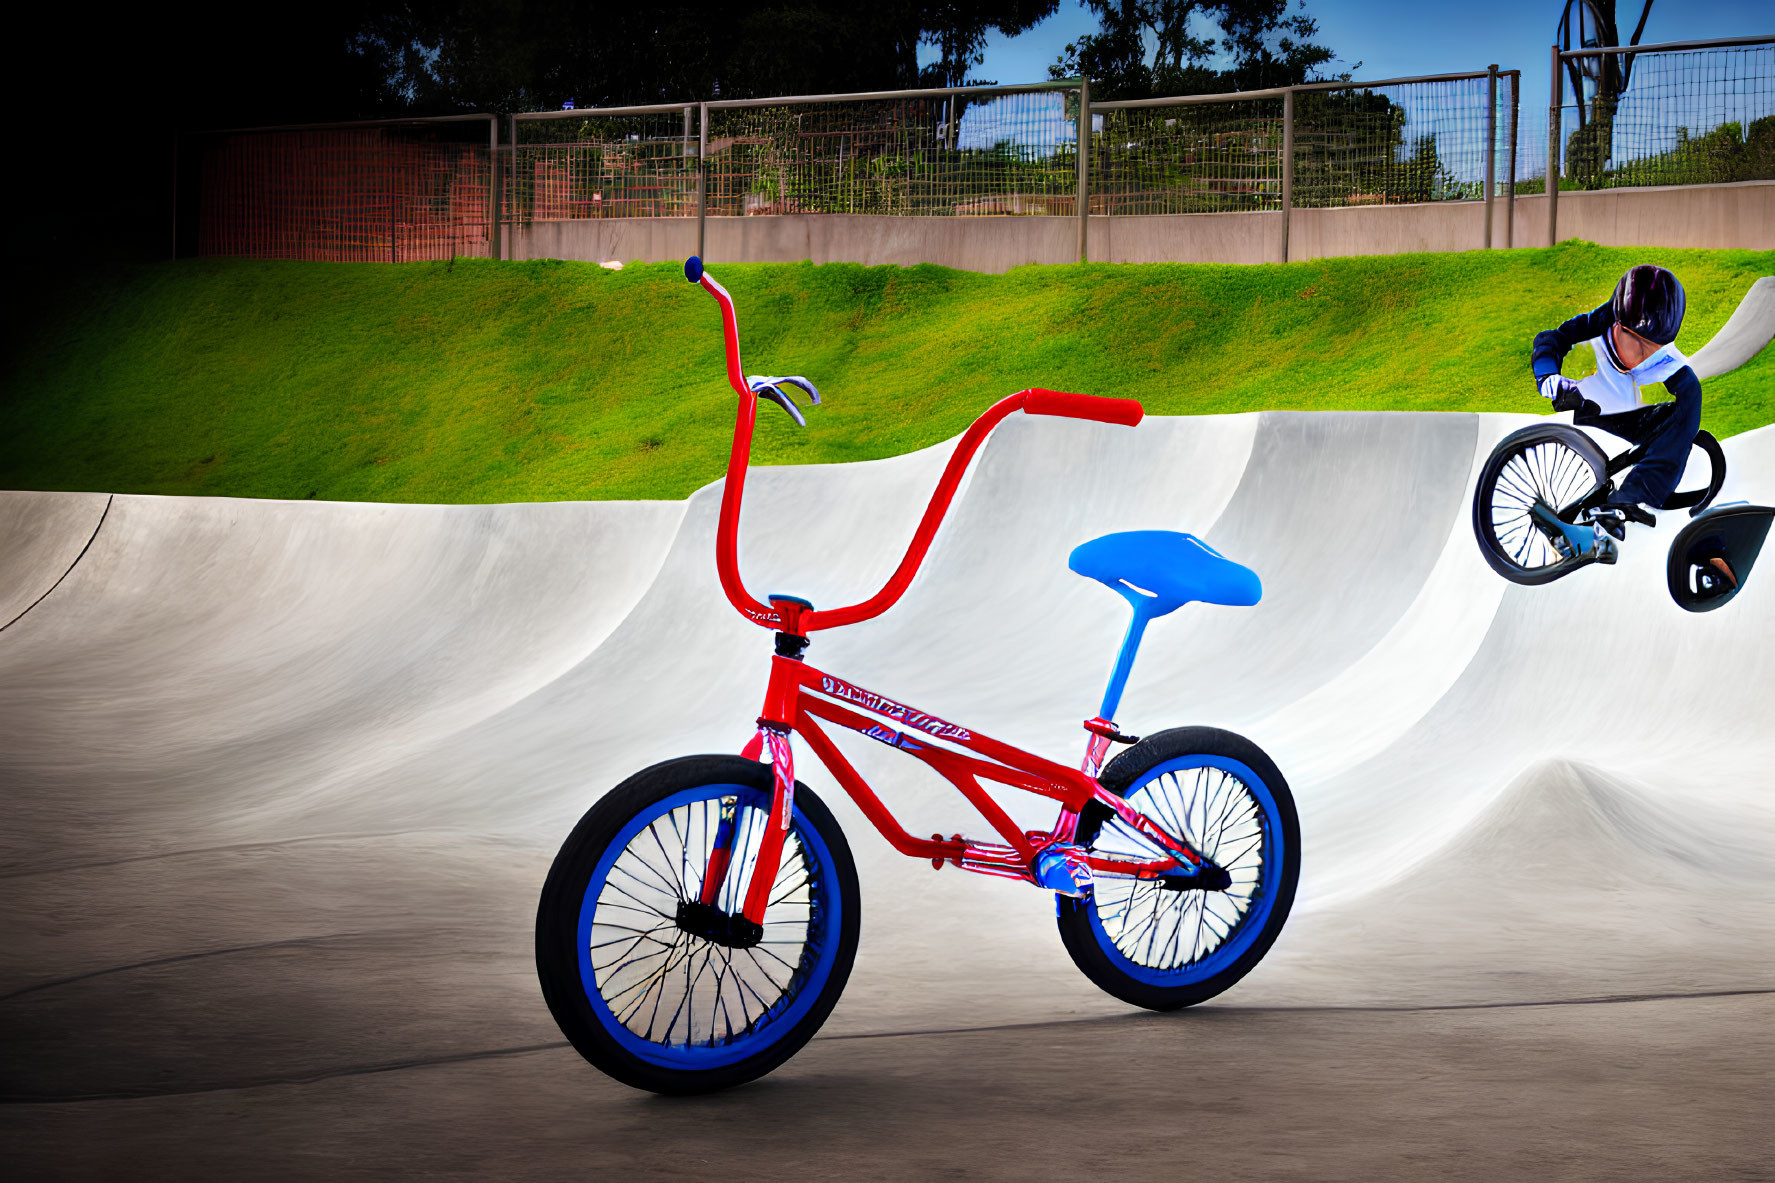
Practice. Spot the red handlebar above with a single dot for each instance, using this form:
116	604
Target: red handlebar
1125	411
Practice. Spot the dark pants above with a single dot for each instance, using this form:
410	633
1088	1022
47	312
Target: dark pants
1668	431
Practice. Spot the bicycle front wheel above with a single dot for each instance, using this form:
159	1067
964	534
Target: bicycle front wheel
644	971
1164	949
1532	473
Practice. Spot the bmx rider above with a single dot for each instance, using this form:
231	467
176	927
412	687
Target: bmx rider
1634	336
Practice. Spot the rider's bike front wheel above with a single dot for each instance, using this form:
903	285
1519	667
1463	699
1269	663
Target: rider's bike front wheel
1528	479
1160	948
648	978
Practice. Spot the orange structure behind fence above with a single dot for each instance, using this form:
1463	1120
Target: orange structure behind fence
376	194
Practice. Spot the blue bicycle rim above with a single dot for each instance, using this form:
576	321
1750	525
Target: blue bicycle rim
768	1018
1265	821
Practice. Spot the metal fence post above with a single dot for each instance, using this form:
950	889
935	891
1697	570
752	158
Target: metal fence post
1287	167
1510	164
493	186
702	177
1555	100
1491	143
1083	200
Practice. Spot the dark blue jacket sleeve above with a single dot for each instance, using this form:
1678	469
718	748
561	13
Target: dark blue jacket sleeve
1552	346
1684	386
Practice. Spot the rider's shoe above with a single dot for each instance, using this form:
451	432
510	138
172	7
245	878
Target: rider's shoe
1613	516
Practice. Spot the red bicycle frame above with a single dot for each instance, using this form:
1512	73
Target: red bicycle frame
798	694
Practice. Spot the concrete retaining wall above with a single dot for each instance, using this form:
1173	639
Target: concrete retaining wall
1739	215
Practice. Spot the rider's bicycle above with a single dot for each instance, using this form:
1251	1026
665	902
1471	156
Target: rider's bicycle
1535	500
699	923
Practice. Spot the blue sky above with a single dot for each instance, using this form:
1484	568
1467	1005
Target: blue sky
1376	39
1397	37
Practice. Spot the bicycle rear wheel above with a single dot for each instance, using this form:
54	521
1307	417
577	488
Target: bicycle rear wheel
651	983
1164	949
1547	467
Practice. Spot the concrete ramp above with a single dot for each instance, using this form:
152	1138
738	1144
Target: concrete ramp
42	536
1744	335
269	759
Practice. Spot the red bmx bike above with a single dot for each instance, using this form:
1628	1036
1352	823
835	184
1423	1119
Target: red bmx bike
699	924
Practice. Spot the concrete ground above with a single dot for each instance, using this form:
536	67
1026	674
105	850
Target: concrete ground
279	783
1656	1089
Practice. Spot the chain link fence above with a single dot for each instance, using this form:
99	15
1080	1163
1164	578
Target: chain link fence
1679	114
1413	140
1406	142
931	154
631	163
1668	116
1319	145
1187	158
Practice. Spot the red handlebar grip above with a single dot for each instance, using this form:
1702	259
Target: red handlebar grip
1126	411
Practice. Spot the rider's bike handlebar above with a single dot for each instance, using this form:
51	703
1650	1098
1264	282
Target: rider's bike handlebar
1035	401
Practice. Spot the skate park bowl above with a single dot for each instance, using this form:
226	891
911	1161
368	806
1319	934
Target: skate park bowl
281	781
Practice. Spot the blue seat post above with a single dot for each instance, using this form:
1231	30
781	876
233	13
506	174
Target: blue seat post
1146	609
1158	571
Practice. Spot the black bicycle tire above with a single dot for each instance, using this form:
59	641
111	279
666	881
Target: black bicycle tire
1510	445
557	921
1073	916
1696	501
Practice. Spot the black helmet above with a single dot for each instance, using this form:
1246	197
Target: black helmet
1649	303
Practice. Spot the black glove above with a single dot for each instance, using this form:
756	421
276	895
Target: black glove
1562	390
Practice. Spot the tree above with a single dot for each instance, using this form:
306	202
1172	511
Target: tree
959	30
535	54
1268	44
1598	83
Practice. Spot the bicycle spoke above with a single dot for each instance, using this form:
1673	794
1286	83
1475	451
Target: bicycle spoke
672	988
1550	474
644	906
659	883
1213	811
636	939
653	832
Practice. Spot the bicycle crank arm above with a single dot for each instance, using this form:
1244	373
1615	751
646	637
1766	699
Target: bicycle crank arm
1569	513
1581	541
1211	877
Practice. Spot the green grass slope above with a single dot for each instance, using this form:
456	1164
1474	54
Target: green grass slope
480	381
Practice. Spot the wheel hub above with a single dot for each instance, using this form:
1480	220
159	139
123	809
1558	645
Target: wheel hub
712	924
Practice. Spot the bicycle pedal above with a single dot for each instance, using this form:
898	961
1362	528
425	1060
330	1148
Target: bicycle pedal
1611	521
1063	870
1605	551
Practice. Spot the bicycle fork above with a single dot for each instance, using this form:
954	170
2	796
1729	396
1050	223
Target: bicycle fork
770	845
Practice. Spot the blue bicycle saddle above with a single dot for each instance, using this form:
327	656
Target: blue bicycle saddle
1159	571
